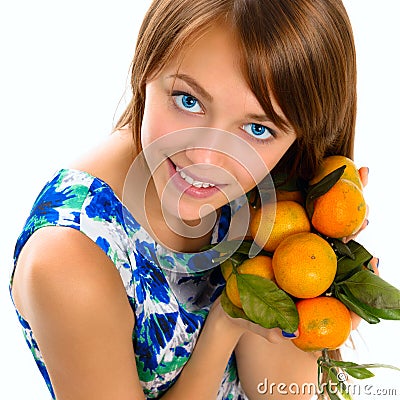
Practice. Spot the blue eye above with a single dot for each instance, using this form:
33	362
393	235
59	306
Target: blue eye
187	102
260	132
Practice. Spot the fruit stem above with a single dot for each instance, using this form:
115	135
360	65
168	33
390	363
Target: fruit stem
325	356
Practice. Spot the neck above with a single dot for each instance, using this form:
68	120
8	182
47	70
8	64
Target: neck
171	231
168	230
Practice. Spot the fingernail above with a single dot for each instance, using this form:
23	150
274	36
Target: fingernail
377	263
368	170
288	335
367	222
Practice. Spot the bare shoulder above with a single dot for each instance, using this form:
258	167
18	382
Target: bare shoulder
110	160
62	264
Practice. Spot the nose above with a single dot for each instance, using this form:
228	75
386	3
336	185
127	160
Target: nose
206	158
211	147
216	150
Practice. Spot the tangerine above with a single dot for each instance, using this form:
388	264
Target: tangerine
226	268
341	211
304	265
325	323
293	195
259	265
331	163
273	222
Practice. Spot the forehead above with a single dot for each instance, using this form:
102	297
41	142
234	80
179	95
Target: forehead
217	46
218	41
212	59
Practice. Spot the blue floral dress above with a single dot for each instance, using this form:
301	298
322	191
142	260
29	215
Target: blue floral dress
168	292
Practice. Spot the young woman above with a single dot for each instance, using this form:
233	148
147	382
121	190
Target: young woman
114	293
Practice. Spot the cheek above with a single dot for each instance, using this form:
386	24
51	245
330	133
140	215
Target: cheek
270	156
248	179
158	117
154	124
273	154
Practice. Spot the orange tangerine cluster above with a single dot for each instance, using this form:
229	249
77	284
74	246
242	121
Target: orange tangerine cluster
298	257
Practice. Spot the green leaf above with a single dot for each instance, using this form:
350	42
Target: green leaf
373	291
333	369
265	304
244	247
347	266
367	312
236	259
332	384
353	369
230	308
388	366
332	394
282	181
322	187
389	313
230	246
358	250
236	250
341	249
335	384
354	305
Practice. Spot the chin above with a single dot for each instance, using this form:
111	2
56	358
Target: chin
186	213
192	213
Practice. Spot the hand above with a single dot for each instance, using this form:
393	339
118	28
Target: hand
274	335
363	171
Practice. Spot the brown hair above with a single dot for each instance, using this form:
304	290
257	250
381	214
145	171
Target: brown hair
300	52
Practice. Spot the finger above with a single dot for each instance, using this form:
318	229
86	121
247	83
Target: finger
278	336
290	335
355	320
363	226
274	335
374	263
364	171
352	237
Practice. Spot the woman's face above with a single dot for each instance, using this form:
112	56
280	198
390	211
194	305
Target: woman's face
205	137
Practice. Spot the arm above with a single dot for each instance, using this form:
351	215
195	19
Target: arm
263	366
72	296
74	300
202	375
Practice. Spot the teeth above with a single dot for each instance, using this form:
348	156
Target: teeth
192	182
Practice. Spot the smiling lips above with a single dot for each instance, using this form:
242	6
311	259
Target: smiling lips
193	182
192	186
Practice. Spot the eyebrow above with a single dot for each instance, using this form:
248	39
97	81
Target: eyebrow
193	84
258	117
262	118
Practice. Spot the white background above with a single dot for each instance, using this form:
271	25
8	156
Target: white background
64	69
